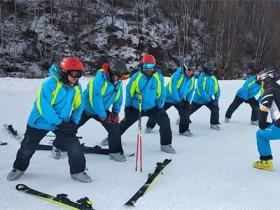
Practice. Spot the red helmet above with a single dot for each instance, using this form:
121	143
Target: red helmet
148	58
70	64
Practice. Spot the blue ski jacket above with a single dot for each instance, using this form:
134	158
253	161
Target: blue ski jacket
101	94
179	88
207	89
56	103
149	91
249	89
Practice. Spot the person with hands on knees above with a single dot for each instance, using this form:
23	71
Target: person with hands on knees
207	93
58	108
104	91
247	93
145	91
268	131
179	92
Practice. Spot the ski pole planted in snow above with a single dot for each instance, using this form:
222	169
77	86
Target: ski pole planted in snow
139	137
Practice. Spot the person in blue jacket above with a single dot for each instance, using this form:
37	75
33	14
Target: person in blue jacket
179	93
247	93
104	91
58	108
268	130
145	92
207	93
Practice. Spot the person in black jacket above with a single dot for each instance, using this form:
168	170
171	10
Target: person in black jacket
268	131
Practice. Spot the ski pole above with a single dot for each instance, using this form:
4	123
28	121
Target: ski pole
139	136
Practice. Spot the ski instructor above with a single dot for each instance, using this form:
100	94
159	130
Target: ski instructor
58	108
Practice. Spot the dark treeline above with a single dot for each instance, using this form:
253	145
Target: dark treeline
230	33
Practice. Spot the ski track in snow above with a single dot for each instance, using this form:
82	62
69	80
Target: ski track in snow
211	170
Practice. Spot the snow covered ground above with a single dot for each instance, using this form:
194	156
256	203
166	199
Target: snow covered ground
211	170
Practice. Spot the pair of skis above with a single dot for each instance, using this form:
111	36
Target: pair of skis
85	203
60	199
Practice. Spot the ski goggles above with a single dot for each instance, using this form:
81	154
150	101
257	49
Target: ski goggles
192	68
75	73
149	66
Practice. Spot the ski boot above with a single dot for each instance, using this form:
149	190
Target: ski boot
14	174
81	177
168	149
226	120
117	157
147	130
255	122
263	165
215	126
56	153
187	133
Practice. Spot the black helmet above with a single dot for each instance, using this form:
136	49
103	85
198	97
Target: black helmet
208	68
118	67
267	75
189	64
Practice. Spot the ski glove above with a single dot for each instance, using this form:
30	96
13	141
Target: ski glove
215	102
68	127
112	118
182	104
128	112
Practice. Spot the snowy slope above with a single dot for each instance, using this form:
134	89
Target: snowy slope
211	170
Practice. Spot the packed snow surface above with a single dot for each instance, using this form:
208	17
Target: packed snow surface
211	170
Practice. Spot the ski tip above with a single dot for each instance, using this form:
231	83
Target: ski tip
20	186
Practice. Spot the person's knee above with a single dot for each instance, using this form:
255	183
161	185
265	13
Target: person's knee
27	151
260	134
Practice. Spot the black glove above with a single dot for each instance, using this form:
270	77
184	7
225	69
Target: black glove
215	102
182	104
68	127
264	125
127	112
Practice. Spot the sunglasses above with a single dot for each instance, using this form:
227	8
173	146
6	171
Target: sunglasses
148	66
75	73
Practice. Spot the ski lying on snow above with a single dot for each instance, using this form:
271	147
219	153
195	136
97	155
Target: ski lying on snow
87	150
60	199
3	143
151	177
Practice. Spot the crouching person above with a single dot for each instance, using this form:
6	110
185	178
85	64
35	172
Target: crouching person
105	91
58	108
145	93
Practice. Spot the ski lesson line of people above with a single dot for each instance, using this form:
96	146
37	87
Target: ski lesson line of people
62	107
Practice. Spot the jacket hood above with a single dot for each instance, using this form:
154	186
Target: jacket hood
55	71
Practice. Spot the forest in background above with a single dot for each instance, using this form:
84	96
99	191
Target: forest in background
230	33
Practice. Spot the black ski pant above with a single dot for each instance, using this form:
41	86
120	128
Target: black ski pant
159	116
63	141
238	101
114	135
183	110
214	108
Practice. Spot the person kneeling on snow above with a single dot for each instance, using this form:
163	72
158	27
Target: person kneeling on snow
179	92
207	93
58	108
103	91
268	131
247	93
